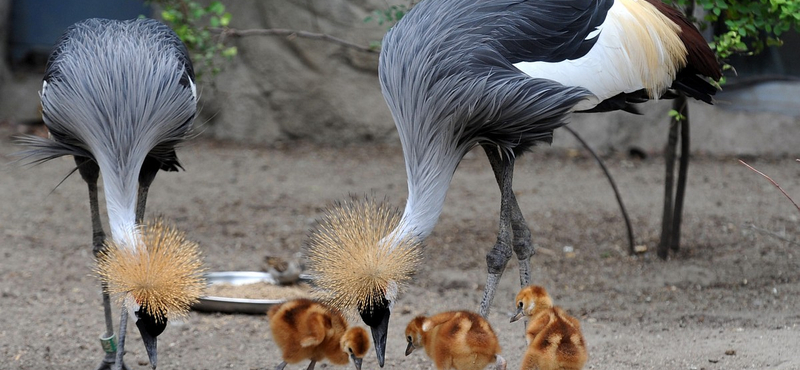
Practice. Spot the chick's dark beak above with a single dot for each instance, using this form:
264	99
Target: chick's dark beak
409	348
517	315
356	361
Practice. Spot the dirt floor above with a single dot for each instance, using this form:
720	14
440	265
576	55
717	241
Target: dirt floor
728	300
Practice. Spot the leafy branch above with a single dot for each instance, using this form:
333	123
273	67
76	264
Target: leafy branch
232	32
193	22
750	25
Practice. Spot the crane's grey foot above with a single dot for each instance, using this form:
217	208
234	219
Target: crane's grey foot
108	362
280	366
496	261
311	365
488	293
500	363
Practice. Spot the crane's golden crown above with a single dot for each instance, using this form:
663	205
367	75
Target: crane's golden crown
163	272
354	256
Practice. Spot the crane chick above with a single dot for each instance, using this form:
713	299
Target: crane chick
458	340
308	330
554	337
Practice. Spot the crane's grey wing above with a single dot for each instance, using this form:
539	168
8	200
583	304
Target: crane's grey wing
548	31
448	66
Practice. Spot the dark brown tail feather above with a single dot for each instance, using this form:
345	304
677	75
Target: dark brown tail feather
700	56
700	59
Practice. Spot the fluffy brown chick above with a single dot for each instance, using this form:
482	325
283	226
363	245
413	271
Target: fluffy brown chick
554	337
308	330
458	340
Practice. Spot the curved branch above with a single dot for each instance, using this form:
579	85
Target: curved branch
631	249
290	34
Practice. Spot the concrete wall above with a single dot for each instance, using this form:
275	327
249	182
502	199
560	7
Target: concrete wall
280	89
757	120
5	9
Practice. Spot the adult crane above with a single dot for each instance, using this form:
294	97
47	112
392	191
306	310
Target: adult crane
504	74
118	96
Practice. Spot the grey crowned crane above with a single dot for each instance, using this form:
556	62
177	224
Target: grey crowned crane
503	74
118	96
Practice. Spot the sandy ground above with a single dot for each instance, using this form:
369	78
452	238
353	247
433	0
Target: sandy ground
730	289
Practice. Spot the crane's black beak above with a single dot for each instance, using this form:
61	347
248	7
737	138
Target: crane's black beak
377	317
150	328
150	344
379	333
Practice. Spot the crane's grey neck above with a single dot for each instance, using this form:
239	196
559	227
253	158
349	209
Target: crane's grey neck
429	175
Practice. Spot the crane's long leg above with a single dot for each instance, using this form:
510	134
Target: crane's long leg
146	176
123	325
90	173
522	234
498	256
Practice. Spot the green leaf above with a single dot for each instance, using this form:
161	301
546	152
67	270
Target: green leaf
216	7
225	20
168	16
230	52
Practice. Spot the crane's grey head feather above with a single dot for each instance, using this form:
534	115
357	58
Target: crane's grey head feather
446	76
116	92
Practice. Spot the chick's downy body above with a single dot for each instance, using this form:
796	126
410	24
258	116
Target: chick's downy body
458	340
308	330
555	341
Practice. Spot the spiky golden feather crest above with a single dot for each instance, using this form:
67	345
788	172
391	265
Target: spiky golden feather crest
351	257
163	272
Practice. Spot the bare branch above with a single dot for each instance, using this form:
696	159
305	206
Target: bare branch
772	234
290	34
631	243
772	181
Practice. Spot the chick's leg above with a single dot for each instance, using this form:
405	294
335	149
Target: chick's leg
311	365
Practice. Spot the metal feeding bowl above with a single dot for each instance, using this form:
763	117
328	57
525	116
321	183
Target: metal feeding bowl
237	305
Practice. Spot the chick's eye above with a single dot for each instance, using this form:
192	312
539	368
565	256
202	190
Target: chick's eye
350	350
409	338
519	305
